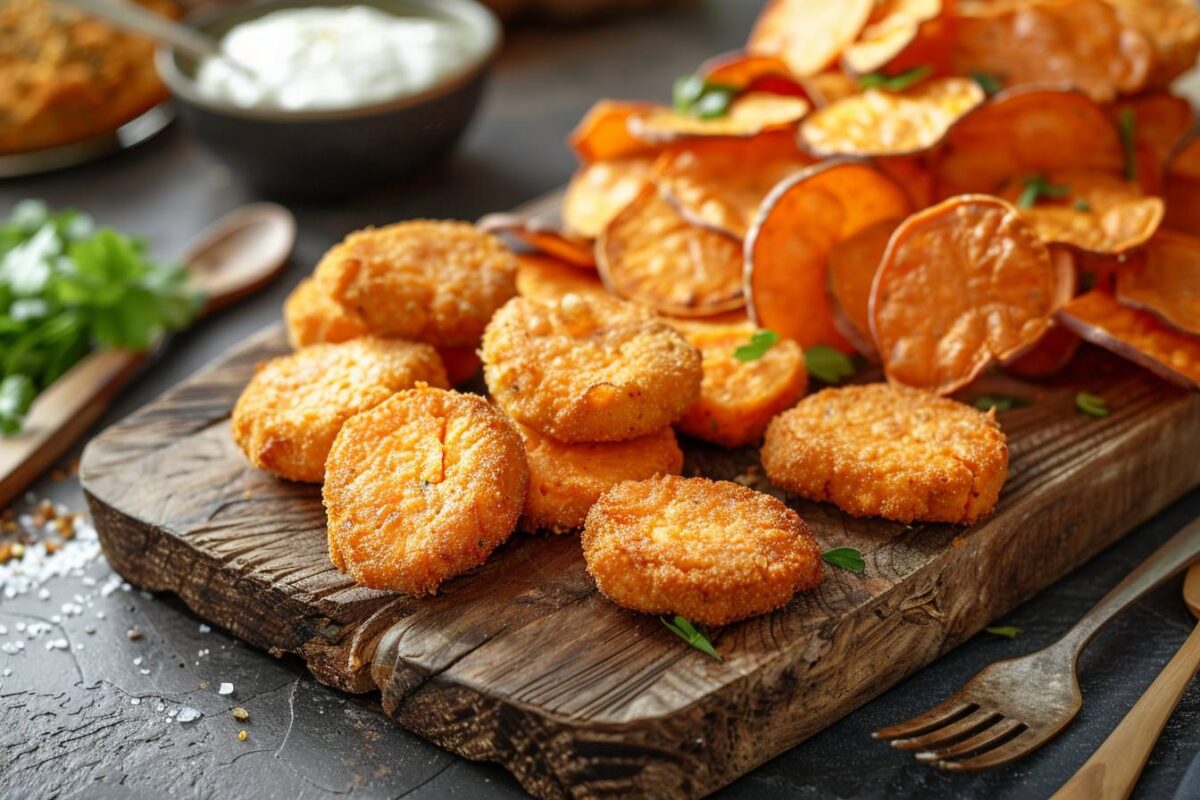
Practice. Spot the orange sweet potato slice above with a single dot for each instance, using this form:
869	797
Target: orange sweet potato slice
603	133
543	238
1023	132
650	254
787	250
894	25
749	73
1136	335
750	114
963	284
852	265
721	182
1049	356
1161	122
599	190
808	35
1181	189
1164	279
1173	30
884	123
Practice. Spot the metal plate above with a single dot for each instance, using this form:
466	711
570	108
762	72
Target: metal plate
129	135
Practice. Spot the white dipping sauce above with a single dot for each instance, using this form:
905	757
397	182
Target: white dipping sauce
317	59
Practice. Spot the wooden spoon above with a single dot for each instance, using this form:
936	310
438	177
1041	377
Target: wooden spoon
1113	770
235	256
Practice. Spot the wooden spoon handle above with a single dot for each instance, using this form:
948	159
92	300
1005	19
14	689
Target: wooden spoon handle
1113	770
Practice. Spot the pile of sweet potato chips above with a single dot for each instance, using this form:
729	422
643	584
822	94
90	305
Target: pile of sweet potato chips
938	186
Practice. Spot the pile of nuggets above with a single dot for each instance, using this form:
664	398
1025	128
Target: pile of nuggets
937	188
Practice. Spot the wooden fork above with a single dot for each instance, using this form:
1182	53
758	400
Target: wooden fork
1013	707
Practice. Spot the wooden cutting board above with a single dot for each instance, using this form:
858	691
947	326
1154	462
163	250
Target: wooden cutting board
523	663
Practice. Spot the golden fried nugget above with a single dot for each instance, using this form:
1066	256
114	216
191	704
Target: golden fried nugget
565	480
889	451
712	551
421	488
313	317
294	406
588	369
738	398
429	281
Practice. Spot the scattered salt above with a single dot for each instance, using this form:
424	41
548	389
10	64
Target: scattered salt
144	671
137	662
7	672
43	593
135	701
226	688
203	628
189	714
57	644
3	630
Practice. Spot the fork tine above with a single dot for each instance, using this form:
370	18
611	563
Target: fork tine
987	739
949	711
1020	744
973	723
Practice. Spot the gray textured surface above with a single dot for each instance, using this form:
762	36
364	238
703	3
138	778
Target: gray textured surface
71	728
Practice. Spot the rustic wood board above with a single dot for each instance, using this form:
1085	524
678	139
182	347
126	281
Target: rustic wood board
523	663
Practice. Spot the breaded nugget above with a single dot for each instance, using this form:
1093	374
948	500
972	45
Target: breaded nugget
421	488
889	451
738	398
545	278
712	551
313	317
294	406
428	281
566	479
588	369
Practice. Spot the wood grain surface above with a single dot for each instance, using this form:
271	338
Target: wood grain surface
521	662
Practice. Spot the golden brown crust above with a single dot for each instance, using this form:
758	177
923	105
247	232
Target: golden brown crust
429	281
712	551
421	488
313	317
889	451
565	480
287	417
587	369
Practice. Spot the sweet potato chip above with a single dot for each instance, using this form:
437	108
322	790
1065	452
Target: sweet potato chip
750	73
852	265
808	35
544	279
1164	279
721	182
750	114
1096	212
651	255
568	247
914	174
1024	132
827	87
1078	43
1136	335
883	123
1161	123
963	284
1049	356
599	190
1173	30
893	26
603	133
787	250
1181	189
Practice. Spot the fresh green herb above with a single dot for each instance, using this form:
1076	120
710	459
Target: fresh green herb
1007	631
1091	404
1087	281
847	558
695	96
681	627
989	83
760	343
827	364
1083	205
67	288
1037	187
1000	402
898	82
1127	125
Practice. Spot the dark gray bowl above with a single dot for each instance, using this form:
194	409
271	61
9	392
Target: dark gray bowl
332	153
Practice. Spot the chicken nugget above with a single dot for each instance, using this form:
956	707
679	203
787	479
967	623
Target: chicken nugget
294	406
739	396
429	281
421	488
588	369
565	480
712	551
889	451
313	317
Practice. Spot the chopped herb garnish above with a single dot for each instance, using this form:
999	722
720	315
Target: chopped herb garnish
760	343
1083	205
1000	402
697	97
681	627
1087	281
988	82
1007	631
16	396
1037	187
898	82
1091	404
1127	125
827	364
847	558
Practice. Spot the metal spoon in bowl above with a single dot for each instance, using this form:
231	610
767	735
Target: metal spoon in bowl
233	257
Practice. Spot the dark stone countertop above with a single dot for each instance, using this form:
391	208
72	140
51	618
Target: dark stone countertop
95	719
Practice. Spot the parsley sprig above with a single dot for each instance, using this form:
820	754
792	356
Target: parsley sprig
1036	187
698	97
827	364
1000	402
1006	631
684	629
1091	404
847	558
990	84
760	342
898	82
1127	126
